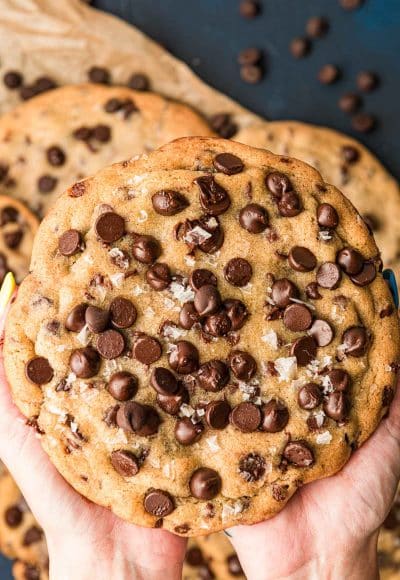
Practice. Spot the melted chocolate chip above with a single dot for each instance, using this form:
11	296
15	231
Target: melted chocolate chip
204	233
339	379
171	404
355	340
309	396
97	319
188	316
163	381
158	276
299	454
366	276
214	199
327	216
238	272
252	467
186	432
125	463
205	483
337	406
207	300
275	416
302	259
122	386
169	202
242	364
237	313
70	243
213	375
350	260
218	324
282	292
253	218
146	249
202	277
278	184
322	332
85	362
184	358
304	349
137	418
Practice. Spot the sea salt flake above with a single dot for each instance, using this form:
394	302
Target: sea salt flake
137	290
181	292
212	442
319	417
325	235
186	410
143	215
149	312
286	367
323	438
173	332
190	261
117	279
168	303
84	336
197	235
271	338
311	306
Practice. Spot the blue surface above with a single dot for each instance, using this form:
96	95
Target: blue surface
208	34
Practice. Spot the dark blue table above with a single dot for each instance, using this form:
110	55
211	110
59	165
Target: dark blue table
208	34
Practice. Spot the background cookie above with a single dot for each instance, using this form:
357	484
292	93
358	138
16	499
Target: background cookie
59	137
348	165
20	535
18	227
229	398
211	557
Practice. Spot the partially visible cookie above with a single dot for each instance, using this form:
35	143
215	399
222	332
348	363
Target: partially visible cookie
348	165
25	571
211	558
18	227
20	535
205	329
389	544
57	138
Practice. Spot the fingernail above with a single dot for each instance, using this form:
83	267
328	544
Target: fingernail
6	291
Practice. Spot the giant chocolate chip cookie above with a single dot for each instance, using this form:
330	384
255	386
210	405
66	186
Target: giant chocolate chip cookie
204	330
49	142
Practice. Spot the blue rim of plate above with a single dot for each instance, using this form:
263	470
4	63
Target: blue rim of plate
391	280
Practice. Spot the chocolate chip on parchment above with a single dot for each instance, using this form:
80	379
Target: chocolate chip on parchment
85	362
169	202
246	417
317	27
300	47
249	8
122	386
70	243
351	4
251	73
158	503
350	102
367	81
38	370
205	483
275	416
328	74
125	462
213	375
238	272
363	122
146	349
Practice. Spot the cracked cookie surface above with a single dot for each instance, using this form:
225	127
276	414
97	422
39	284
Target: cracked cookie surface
204	330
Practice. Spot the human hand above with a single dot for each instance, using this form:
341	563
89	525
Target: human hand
85	541
329	528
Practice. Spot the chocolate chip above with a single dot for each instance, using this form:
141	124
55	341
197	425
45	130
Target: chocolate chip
228	163
123	312
309	396
251	73
13	516
302	259
278	184
237	313
322	332
217	414
85	362
283	291
207	300
8	214
336	406
146	349
83	133
158	276
33	535
242	364
110	344
78	189
202	277
100	75
76	318
208	242
12	79
299	454
146	249
171	404
214	199
300	47
355	340
194	556
339	379
367	81
327	216
350	102
97	319
218	324
297	317
246	417
55	156
223	124
139	82
122	386
253	218
184	358
70	243
110	227
328	74
169	202
252	467
312	291
366	276
238	272
205	483
249	8
350	260
158	503
137	418
363	122
275	416
186	432
13	239
329	275
125	462
289	205
163	381
188	316
304	349
47	183
38	370
351	4
316	422
234	566
387	311
213	375
350	154
101	133
317	27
